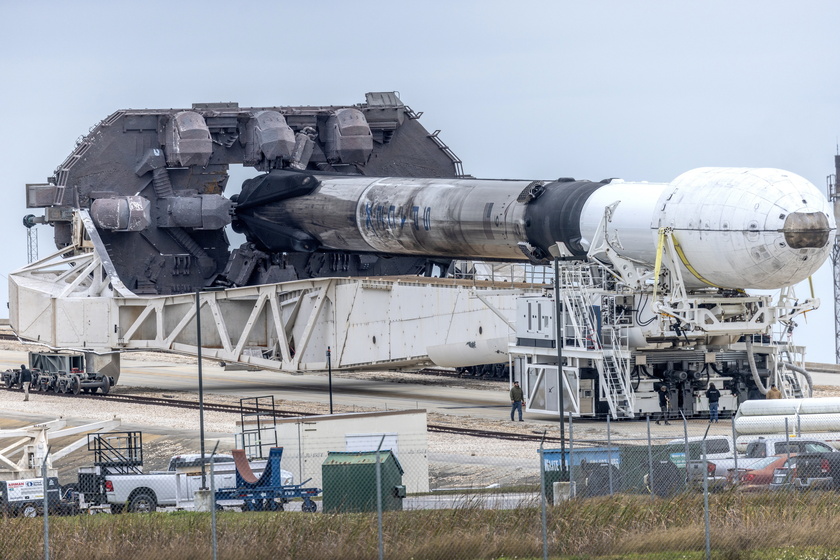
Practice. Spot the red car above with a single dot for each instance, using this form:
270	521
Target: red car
759	475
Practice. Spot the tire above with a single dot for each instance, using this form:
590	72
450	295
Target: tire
143	501
29	510
309	506
116	509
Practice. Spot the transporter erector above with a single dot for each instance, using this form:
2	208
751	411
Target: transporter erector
653	277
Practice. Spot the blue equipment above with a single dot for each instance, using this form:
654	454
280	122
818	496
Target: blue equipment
266	493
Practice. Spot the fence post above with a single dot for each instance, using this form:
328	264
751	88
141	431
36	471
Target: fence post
213	501
734	449
787	436
572	485
706	499
650	459
687	457
542	500
609	454
44	475
379	498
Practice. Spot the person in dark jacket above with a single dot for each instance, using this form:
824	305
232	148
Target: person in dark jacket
664	401
517	399
714	397
25	380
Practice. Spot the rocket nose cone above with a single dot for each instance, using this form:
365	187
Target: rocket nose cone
806	230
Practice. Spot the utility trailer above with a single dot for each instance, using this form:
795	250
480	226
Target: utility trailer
25	498
267	492
60	373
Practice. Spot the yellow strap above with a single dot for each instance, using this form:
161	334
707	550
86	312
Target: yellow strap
686	263
658	265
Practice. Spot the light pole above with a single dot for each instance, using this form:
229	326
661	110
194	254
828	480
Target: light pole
200	387
329	374
559	337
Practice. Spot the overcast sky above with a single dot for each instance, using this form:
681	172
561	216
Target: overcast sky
526	89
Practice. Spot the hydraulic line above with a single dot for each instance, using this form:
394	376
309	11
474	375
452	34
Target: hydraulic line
805	373
753	368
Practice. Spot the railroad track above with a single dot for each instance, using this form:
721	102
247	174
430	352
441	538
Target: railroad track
235	409
436	372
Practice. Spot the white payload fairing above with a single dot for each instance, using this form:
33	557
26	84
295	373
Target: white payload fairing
732	228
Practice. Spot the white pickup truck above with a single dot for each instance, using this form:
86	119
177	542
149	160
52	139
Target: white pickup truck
174	487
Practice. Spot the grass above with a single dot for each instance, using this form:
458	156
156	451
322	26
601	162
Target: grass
744	527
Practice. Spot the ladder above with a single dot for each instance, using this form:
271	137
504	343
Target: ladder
583	332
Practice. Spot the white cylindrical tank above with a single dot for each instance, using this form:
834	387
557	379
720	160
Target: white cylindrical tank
767	416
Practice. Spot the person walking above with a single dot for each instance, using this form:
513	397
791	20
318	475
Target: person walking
664	401
714	398
774	393
25	380
517	400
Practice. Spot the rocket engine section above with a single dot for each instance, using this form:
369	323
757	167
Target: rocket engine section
732	228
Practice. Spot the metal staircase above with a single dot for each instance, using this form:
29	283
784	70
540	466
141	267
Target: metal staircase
605	341
789	383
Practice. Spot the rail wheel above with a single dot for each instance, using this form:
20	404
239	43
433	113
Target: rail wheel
9	383
75	384
142	502
106	385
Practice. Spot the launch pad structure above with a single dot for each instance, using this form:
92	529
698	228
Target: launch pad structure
365	237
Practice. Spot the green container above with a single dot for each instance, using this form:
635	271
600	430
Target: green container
349	481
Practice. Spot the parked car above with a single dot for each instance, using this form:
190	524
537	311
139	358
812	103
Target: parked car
771	446
809	471
717	447
759	475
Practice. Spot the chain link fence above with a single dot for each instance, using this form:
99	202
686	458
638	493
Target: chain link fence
687	490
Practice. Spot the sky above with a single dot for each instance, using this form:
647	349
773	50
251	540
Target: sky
640	90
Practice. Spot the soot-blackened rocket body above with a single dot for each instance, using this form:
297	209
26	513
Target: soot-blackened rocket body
736	227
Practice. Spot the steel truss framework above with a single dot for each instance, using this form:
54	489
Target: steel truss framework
73	300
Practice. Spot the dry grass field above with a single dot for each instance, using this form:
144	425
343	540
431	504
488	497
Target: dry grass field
755	527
